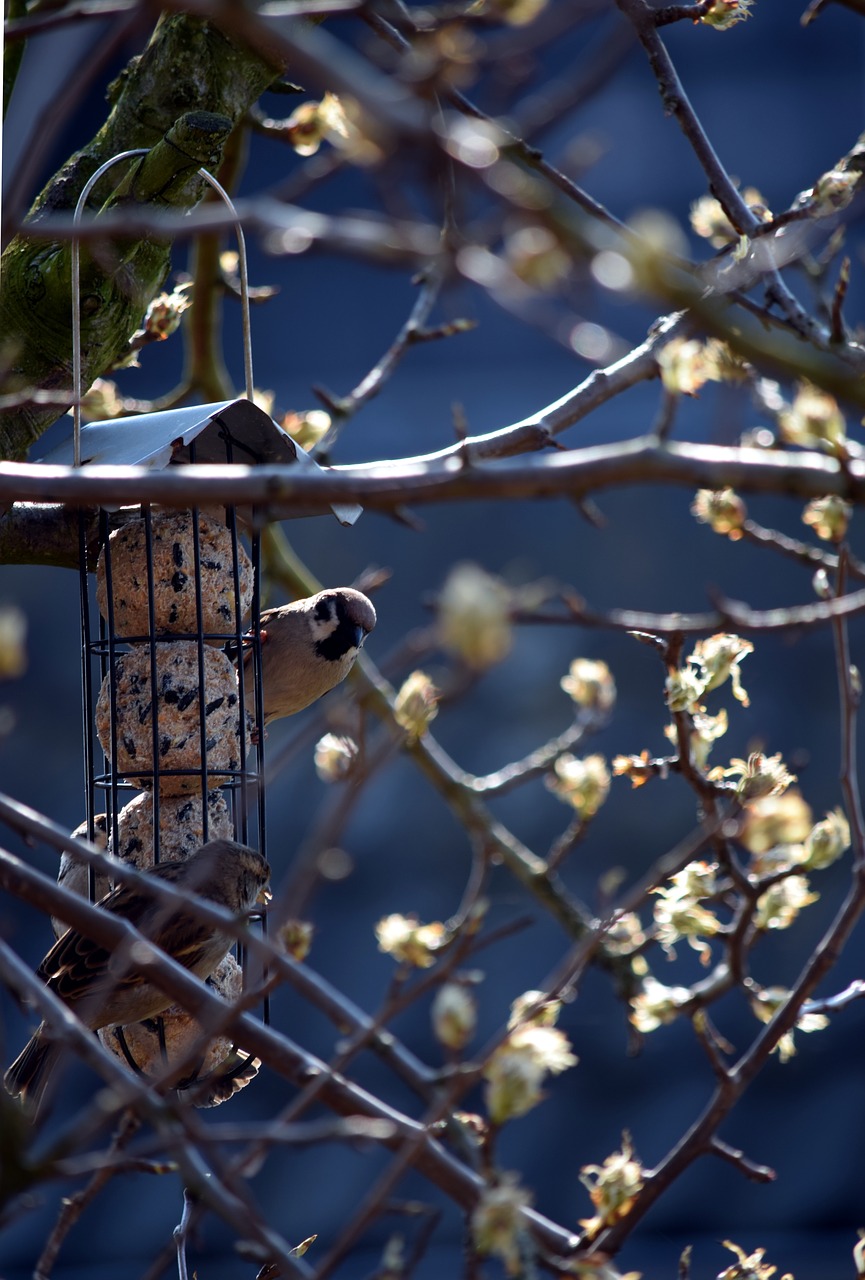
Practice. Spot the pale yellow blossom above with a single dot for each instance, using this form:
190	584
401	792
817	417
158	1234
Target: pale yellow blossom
828	517
534	1007
722	509
718	658
264	399
497	1224
709	220
416	704
625	934
682	364
474	616
726	13
102	401
705	731
613	1186
827	841
306	428
655	1005
591	685
516	13
638	768
749	1267
583	784
780	905
723	364
759	775
13	642
335	757
684	689
165	312
679	914
410	942
295	938
454	1015
516	1069
774	820
536	257
834	190
813	420
765	1003
310	124
696	880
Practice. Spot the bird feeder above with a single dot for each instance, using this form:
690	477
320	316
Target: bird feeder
173	718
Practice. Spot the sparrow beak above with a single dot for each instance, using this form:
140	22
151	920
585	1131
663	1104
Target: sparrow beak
359	637
264	897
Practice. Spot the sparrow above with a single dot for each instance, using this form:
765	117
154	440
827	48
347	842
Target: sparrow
89	982
309	646
74	875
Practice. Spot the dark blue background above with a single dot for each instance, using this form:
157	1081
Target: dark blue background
781	105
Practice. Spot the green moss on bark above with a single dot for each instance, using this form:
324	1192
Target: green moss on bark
189	71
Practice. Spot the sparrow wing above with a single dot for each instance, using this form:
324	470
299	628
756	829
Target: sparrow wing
78	967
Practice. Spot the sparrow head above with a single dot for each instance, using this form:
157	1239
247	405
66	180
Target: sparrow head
309	646
340	620
229	873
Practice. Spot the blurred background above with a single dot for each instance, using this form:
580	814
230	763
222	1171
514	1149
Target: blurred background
781	103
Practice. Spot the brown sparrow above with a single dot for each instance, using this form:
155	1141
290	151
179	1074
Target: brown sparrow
309	646
88	980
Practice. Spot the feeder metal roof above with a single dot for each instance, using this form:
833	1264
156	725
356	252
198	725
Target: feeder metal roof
236	431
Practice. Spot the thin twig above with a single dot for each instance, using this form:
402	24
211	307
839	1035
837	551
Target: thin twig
837	331
830	1004
817	6
181	1233
850	691
74	1205
566	843
706	1038
728	613
536	763
682	12
412	331
515	146
741	216
795	549
755	1172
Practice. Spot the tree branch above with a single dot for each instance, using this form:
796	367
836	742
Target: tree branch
388	486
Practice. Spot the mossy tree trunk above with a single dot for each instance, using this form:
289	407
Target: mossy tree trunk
186	92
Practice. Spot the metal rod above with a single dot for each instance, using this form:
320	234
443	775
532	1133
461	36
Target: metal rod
244	279
76	298
76	289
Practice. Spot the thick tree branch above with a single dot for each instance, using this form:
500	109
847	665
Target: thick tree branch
577	473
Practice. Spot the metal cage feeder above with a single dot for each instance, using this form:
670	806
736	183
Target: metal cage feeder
171	669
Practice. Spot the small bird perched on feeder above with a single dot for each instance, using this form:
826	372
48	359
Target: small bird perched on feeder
103	991
309	646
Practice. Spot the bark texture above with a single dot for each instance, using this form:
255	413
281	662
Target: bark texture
181	98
